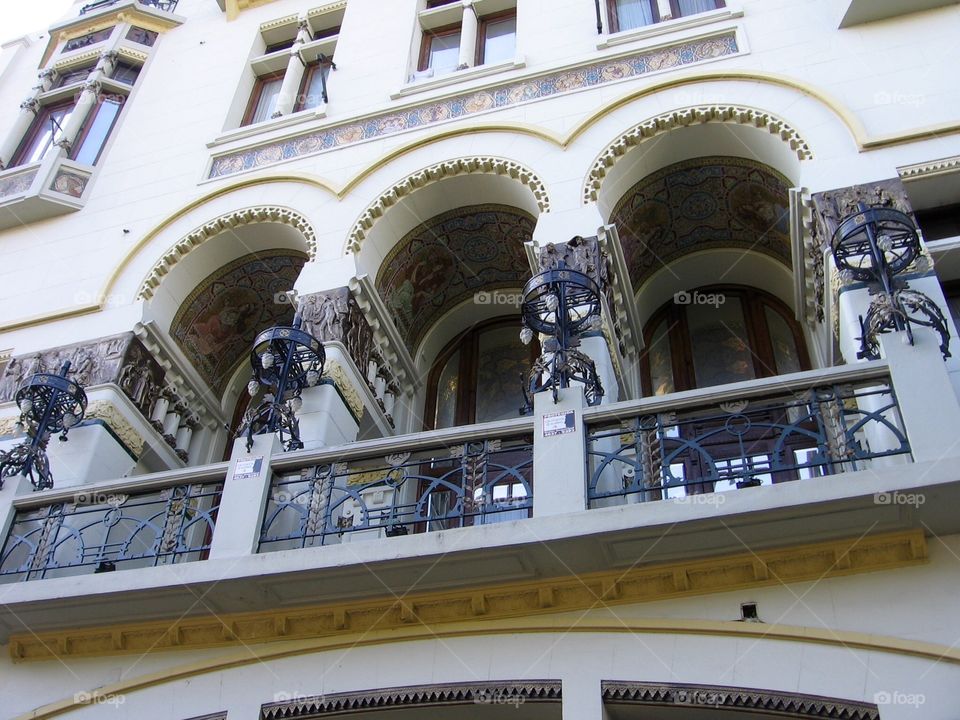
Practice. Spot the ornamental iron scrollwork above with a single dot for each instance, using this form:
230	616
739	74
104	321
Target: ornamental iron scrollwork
285	361
469	483
815	432
48	404
104	531
874	245
560	305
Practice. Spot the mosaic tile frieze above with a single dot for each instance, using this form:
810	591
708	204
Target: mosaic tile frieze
449	258
218	322
69	183
705	203
474	103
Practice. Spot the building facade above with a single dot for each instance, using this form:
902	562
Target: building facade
481	358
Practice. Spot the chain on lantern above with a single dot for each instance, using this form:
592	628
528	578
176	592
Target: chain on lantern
874	245
560	305
48	404
285	361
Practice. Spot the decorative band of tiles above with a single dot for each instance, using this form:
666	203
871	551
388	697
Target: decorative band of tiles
473	103
15	184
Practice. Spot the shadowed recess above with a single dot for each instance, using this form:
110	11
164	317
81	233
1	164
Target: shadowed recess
700	204
218	321
447	259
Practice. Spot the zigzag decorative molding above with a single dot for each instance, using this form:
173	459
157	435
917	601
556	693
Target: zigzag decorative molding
434	173
930	169
237	218
733	114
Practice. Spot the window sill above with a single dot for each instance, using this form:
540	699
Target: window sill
42	190
458	76
285	121
669	26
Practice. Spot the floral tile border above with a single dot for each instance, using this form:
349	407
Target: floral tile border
468	104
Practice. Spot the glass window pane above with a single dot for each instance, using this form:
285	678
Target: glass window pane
634	13
447	386
100	128
50	126
267	102
126	73
500	41
785	353
692	7
444	53
313	92
501	362
660	359
719	344
69	77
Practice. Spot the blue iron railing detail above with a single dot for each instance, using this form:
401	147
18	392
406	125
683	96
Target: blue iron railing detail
100	532
761	441
471	483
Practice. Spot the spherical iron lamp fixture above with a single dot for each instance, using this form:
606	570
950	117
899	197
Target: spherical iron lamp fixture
874	245
48	404
560	305
285	361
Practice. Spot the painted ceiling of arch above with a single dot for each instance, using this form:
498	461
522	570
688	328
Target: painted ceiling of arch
448	259
704	203
217	323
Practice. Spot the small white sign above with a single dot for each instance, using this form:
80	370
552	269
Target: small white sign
559	423
248	469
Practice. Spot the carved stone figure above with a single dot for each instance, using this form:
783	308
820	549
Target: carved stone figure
334	315
581	254
832	206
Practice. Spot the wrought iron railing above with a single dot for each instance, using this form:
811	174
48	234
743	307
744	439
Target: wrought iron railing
100	531
789	429
454	483
167	5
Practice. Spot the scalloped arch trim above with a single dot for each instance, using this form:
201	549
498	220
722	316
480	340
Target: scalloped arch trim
440	171
734	114
237	218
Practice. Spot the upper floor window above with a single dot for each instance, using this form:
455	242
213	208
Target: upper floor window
44	132
96	130
263	100
632	14
141	36
473	38
89	39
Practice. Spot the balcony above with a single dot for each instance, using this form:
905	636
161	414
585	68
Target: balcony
42	190
796	461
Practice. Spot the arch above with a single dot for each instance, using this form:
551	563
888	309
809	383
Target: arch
227	221
667	122
478	165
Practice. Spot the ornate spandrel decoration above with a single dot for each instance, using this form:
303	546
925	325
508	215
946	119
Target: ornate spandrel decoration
832	206
335	316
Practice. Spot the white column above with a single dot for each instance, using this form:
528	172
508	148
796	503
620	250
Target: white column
666	12
927	402
28	113
244	498
87	101
293	77
559	460
468	35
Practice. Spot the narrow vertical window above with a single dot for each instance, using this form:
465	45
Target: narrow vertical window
498	39
441	50
263	102
313	92
630	14
97	130
46	130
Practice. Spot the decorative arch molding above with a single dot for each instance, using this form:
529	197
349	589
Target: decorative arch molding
712	698
237	218
700	115
450	168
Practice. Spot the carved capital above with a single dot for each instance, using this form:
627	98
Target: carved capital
31	104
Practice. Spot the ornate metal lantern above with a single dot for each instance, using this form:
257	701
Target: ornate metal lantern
874	245
48	404
561	304
285	361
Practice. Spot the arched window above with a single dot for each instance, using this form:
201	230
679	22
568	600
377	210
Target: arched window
477	377
719	334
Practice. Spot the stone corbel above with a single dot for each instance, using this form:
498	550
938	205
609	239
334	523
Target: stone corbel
31	104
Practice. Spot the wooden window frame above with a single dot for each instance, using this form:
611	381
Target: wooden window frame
427	41
308	74
255	96
613	15
753	302
468	343
42	118
483	23
88	124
